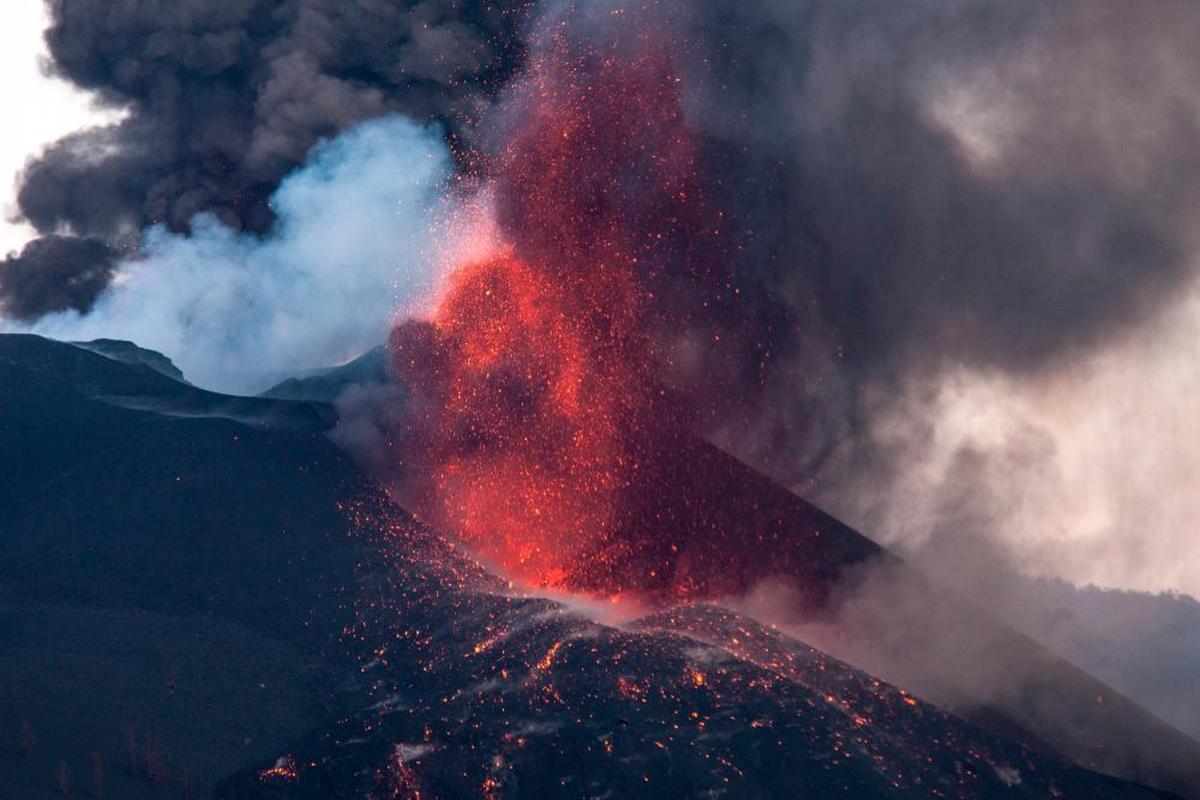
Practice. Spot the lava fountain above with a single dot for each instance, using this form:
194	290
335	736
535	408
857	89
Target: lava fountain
554	371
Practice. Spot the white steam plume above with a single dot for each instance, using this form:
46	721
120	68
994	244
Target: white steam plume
237	312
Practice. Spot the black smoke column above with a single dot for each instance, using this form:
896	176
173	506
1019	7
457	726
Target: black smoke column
225	97
54	273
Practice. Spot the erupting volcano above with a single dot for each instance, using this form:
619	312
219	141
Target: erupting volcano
554	371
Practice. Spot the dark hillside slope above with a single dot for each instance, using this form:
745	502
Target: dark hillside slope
327	384
172	564
200	594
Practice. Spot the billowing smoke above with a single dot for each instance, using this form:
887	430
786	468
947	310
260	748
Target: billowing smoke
238	312
223	99
54	273
980	184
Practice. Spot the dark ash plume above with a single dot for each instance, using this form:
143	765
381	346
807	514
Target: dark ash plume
54	273
225	98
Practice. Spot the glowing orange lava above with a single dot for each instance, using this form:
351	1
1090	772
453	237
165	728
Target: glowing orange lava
525	448
547	371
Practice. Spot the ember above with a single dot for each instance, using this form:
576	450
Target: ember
284	769
551	369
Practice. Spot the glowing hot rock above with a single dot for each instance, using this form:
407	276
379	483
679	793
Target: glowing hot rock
555	372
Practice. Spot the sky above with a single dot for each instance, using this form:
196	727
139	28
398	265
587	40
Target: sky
49	108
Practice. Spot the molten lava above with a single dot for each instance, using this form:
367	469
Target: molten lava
551	372
525	444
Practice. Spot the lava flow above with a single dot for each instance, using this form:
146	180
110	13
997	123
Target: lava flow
554	371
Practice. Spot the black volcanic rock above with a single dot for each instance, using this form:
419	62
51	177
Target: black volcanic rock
200	595
130	353
327	384
474	692
172	563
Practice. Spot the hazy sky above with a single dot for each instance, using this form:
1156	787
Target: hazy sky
46	108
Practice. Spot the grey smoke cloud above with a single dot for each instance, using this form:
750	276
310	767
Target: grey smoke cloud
1001	185
972	210
237	312
224	98
1087	473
